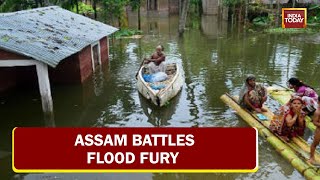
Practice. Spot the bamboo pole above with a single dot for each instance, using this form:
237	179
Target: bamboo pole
285	150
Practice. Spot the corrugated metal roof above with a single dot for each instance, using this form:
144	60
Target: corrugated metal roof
49	34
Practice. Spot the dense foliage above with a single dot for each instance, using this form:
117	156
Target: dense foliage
289	31
232	2
127	32
314	14
114	11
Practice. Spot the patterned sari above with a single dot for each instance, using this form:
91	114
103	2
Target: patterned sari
279	125
255	95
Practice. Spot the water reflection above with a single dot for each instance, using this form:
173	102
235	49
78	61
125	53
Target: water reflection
159	116
215	59
213	27
155	26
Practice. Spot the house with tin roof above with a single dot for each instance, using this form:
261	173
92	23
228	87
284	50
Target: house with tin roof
52	43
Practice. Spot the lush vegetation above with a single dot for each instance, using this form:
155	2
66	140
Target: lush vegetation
265	15
290	30
127	33
113	9
252	15
314	14
83	9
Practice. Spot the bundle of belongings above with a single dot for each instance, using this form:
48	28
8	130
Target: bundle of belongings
156	77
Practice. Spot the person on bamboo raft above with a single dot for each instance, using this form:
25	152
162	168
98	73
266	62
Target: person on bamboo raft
252	95
316	138
307	93
156	62
291	122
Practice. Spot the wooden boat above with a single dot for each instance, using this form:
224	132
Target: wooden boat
283	96
173	85
296	151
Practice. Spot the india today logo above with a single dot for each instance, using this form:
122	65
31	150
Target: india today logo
294	17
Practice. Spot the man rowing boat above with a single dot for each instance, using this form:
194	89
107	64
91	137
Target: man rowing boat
156	61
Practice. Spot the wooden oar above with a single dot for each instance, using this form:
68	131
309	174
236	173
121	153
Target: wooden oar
139	68
271	82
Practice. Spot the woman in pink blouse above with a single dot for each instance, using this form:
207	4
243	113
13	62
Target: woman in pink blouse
307	93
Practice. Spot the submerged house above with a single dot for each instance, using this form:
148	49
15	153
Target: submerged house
161	6
50	44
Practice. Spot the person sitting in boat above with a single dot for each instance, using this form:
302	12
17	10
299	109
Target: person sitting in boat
252	95
293	122
307	93
316	139
156	61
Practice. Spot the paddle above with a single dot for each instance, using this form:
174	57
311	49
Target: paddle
140	67
279	85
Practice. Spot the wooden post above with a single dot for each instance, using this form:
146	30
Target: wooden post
44	84
44	88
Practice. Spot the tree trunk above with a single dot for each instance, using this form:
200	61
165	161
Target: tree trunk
123	20
112	19
40	3
278	13
240	15
46	3
234	15
37	3
139	19
94	6
77	6
293	3
184	6
246	12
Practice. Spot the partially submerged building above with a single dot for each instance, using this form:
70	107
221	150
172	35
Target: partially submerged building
161	6
50	43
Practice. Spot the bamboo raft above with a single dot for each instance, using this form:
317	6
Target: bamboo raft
296	151
283	96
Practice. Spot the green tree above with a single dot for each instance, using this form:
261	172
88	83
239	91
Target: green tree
196	6
233	4
16	5
70	4
116	9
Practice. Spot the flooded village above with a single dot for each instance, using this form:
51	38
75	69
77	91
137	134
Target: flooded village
60	68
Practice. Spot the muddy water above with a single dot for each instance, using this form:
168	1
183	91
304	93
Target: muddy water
215	57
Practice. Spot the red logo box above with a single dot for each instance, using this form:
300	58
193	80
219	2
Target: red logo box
294	17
